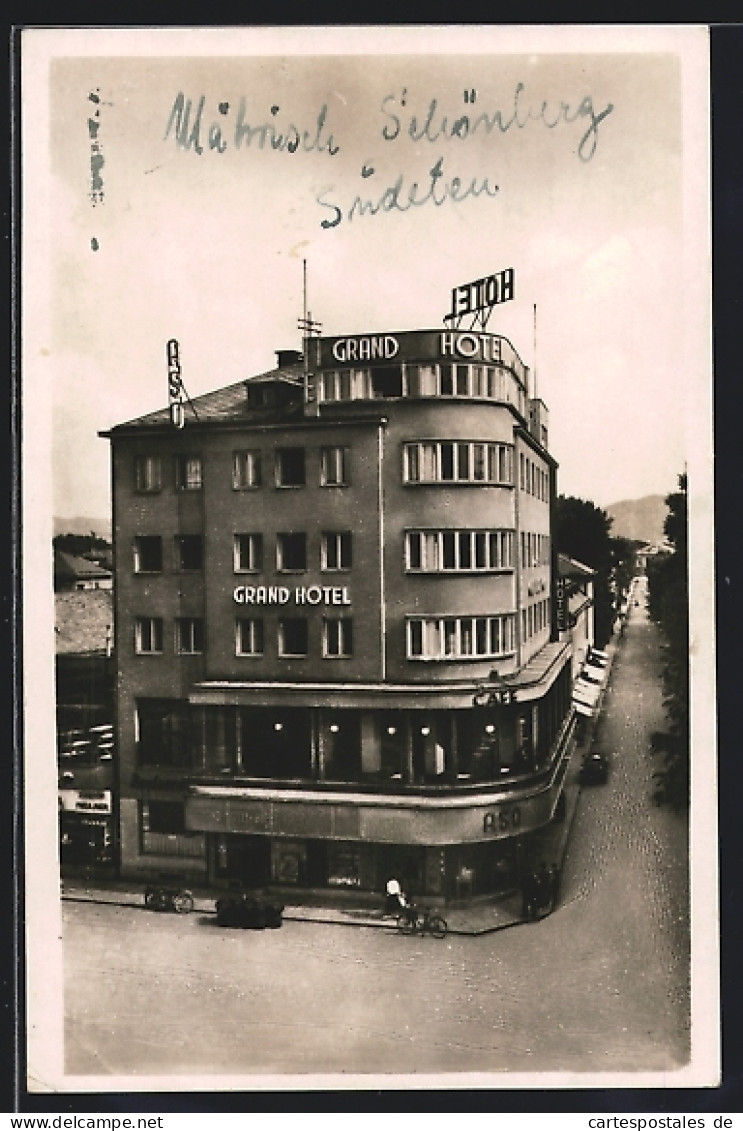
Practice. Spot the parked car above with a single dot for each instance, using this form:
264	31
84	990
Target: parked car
249	911
594	769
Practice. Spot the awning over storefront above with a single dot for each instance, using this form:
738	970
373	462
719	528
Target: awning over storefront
532	682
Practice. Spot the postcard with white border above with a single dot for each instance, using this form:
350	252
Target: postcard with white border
369	703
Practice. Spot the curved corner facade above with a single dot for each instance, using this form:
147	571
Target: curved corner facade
338	653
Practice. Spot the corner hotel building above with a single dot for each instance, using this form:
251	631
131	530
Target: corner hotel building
338	657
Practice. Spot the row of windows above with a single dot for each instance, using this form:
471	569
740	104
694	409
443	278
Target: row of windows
447	638
247	549
428	638
426	551
428	461
533	479
292	636
534	619
290	469
462	461
436	551
490	382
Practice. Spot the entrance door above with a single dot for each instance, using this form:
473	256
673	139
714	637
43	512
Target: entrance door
243	860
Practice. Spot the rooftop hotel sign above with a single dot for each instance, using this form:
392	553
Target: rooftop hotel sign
477	299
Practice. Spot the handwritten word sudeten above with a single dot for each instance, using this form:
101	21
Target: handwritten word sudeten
433	124
399	197
193	133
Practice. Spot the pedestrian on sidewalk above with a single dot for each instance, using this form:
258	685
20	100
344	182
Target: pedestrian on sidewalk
395	901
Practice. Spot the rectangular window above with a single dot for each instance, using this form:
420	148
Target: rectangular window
333	467
335	550
188	475
337	384
290	467
148	554
189	636
148	635
148	473
465	550
462	380
189	552
448	555
460	638
291	552
434	551
163	817
246	470
447	461
293	636
337	637
247	552
249	636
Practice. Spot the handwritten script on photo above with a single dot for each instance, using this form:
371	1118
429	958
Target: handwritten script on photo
197	129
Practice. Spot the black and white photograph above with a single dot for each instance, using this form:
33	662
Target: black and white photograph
369	698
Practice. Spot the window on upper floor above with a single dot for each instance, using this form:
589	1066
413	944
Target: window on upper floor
148	635
291	551
247	550
334	467
148	473
290	467
188	473
189	636
246	470
335	550
466	551
189	552
292	637
386	381
148	553
337	639
249	636
460	638
457	461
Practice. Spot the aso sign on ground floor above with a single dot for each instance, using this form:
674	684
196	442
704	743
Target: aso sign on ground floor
443	847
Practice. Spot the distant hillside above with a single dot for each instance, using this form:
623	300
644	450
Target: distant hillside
99	526
639	519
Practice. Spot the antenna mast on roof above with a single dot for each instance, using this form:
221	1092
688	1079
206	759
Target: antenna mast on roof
309	330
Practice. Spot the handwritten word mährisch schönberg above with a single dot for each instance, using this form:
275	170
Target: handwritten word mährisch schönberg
434	125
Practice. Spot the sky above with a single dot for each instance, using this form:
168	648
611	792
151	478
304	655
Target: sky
587	184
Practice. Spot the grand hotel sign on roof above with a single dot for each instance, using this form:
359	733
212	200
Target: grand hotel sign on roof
418	346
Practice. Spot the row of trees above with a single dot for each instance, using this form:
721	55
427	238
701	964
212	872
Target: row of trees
583	531
668	604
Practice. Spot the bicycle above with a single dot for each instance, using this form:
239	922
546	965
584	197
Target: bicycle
414	922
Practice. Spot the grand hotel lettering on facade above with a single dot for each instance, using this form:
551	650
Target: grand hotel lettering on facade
338	654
